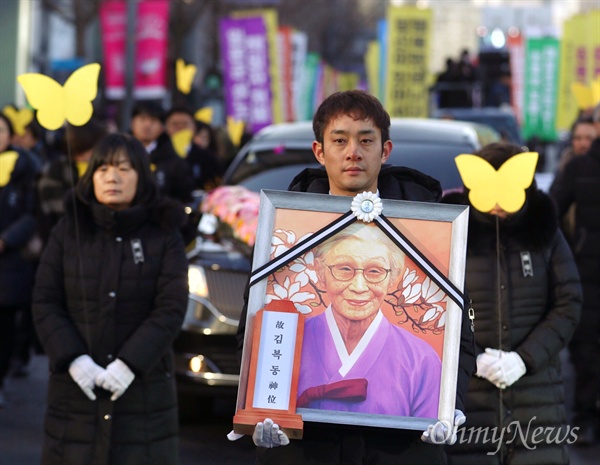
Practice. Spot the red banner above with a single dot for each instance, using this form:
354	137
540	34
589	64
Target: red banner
151	42
113	19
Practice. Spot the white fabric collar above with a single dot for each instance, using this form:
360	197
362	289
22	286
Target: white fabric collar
348	360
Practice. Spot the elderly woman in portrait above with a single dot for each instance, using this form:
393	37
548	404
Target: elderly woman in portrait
353	358
110	297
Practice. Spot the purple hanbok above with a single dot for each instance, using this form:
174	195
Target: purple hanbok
402	371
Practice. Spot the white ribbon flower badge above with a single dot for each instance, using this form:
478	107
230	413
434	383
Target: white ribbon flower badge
366	206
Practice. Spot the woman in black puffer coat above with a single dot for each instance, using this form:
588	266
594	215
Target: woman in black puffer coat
110	297
526	293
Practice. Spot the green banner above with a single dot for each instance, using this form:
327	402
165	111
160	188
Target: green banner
541	89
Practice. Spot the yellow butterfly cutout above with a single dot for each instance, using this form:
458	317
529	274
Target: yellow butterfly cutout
55	103
181	141
235	129
19	118
586	96
185	76
81	168
152	167
204	114
7	164
505	187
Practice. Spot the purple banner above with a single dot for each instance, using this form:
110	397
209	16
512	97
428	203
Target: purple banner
245	55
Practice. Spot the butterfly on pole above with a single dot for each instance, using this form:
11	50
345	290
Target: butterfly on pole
504	187
55	103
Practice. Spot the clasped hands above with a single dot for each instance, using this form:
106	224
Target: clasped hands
500	368
116	377
268	434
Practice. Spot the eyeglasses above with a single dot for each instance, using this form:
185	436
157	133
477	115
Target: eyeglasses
372	274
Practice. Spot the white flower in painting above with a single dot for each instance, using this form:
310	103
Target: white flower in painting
304	267
411	290
291	291
366	206
279	245
433	295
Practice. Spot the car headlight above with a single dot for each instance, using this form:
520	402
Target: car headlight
197	281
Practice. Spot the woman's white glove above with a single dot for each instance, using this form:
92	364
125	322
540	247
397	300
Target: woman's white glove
507	369
267	434
116	378
84	372
441	432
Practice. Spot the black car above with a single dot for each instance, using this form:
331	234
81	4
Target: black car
206	358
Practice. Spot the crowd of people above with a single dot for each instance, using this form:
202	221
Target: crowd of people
107	311
39	168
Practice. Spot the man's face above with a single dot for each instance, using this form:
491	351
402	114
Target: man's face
583	136
146	128
179	121
356	298
352	155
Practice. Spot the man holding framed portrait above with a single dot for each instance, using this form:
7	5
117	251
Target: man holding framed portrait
352	143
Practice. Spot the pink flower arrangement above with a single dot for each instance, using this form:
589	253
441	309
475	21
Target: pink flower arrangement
237	207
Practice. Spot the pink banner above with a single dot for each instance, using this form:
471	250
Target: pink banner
151	42
284	39
113	17
516	48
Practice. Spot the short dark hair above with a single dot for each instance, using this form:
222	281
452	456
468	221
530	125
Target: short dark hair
6	119
106	152
36	129
179	109
497	153
80	139
150	108
355	103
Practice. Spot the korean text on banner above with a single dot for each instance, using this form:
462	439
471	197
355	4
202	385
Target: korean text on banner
152	34
409	39
113	17
247	83
271	21
541	87
151	40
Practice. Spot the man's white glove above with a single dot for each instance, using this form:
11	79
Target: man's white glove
267	434
441	432
84	371
116	378
507	369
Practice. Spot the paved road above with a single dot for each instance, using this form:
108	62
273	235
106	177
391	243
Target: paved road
203	440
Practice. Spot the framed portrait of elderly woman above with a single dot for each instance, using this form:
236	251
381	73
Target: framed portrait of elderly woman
375	289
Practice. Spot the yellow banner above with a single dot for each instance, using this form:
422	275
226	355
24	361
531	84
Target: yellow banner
579	63
271	20
372	65
348	81
593	44
409	42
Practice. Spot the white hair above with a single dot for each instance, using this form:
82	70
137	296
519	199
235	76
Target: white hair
367	232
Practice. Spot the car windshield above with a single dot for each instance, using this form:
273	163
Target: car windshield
269	170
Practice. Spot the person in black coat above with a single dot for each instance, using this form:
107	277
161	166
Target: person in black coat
109	299
578	184
526	294
352	143
18	226
170	172
204	167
